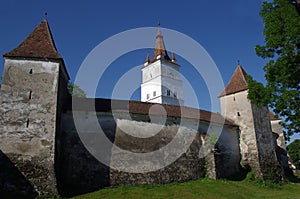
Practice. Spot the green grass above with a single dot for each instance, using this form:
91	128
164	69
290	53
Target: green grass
204	188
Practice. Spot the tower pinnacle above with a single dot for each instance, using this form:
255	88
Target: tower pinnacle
45	15
160	51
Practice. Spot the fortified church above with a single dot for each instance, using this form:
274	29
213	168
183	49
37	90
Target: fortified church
42	150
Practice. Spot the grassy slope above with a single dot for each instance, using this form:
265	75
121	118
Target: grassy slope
204	188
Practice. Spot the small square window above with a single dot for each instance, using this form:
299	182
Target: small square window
154	93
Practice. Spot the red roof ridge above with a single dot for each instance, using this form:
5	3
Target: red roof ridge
237	83
38	44
138	107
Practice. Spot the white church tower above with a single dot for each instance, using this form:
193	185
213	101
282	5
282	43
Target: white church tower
161	82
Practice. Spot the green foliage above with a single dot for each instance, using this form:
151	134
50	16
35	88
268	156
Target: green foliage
282	50
294	151
75	90
211	140
211	143
204	188
257	93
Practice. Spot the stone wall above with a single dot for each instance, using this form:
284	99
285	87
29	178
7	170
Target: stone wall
79	171
228	155
277	129
25	147
237	108
82	172
279	140
269	165
28	147
223	160
186	166
256	138
28	107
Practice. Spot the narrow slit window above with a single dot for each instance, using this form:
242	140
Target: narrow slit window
233	98
154	93
27	123
30	72
148	96
30	95
238	114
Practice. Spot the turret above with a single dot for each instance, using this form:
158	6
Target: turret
256	138
35	81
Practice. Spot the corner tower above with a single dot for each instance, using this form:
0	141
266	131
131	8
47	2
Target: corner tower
161	81
33	92
256	139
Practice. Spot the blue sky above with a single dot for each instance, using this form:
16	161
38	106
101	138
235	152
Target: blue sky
227	30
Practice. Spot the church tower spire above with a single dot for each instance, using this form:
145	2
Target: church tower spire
161	82
160	49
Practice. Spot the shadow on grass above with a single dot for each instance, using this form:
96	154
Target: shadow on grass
291	177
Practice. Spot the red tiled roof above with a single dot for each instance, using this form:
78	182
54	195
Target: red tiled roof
39	44
137	107
272	116
237	82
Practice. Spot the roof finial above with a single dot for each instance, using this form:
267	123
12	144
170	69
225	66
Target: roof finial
238	62
173	56
147	58
158	31
45	15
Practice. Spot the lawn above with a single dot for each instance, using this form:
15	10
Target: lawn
204	188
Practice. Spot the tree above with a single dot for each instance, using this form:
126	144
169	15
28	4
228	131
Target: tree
296	3
282	50
75	90
294	151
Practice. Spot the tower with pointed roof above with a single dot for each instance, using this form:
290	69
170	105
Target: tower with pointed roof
35	80
161	81
257	144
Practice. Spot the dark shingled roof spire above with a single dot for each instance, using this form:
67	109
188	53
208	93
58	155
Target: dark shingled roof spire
39	44
160	48
237	83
